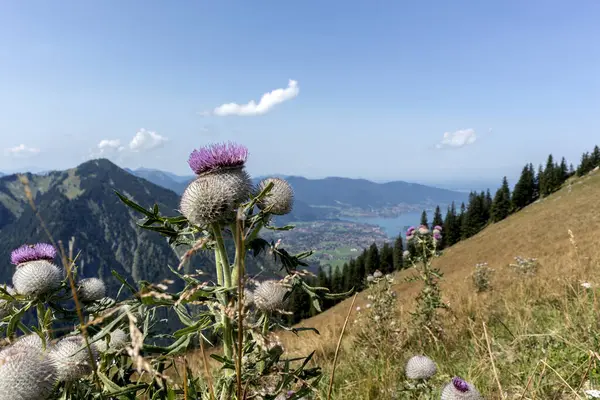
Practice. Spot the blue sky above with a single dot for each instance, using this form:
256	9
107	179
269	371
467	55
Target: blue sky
375	85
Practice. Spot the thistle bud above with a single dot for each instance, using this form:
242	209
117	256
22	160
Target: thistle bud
279	200
35	278
420	367
118	341
26	373
91	289
269	296
71	358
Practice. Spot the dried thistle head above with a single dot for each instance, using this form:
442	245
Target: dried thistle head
38	277
459	389
26	373
420	367
71	358
280	200
91	289
269	296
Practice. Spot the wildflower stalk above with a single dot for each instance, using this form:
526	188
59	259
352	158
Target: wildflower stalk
226	281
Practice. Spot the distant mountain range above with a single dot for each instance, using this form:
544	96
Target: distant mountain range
320	198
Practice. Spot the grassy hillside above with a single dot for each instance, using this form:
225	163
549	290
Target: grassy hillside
541	332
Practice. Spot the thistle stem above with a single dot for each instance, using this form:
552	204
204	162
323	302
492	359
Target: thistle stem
218	232
221	253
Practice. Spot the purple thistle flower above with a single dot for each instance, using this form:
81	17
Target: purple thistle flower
28	252
437	236
218	156
410	231
460	384
437	227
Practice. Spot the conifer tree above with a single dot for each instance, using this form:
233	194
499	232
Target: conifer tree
350	276
386	259
361	270
523	193
461	221
548	178
337	281
564	171
451	233
538	184
595	157
424	219
398	254
501	204
372	259
474	219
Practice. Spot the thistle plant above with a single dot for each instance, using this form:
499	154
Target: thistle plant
429	300
418	371
525	266
85	345
482	277
378	329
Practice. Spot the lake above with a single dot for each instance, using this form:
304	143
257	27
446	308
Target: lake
392	226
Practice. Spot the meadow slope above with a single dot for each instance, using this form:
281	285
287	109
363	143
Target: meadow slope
542	332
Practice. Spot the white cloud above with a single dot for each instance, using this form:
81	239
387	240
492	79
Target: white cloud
458	138
146	140
266	103
142	141
22	151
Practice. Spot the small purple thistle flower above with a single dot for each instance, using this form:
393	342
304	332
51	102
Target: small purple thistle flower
437	227
410	232
217	156
460	384
27	252
437	236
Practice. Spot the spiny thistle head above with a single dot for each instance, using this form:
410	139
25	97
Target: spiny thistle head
279	200
217	156
32	252
377	274
6	304
26	373
423	230
71	358
37	278
459	389
118	341
406	254
213	198
410	233
91	289
32	341
269	295
437	228
420	367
